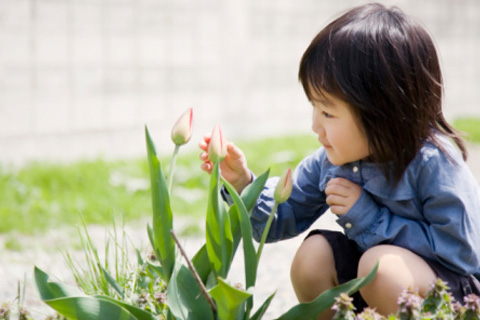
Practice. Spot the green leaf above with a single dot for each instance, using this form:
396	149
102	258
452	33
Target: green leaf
250	256
154	268
138	313
73	304
229	300
52	290
158	269
218	231
324	301
202	263
246	230
139	257
249	197
111	281
261	311
184	298
253	190
163	243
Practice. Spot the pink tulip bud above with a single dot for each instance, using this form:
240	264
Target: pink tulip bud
217	148
284	187
182	130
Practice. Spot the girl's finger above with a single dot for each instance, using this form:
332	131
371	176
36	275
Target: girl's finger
338	210
336	189
203	145
234	152
207	167
204	156
335	200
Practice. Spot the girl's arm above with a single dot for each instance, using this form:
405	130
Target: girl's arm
447	228
297	214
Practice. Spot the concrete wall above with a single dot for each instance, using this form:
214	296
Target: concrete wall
80	78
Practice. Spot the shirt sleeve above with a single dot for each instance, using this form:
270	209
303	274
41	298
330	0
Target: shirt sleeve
448	232
305	205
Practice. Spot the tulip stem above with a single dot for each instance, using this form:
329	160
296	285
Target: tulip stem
172	168
194	273
266	230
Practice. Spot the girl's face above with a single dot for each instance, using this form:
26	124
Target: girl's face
338	131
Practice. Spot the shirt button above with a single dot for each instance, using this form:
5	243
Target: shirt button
355	169
348	225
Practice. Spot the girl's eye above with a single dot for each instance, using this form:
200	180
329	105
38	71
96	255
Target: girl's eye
326	114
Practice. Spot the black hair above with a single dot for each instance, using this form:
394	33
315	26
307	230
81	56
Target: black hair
383	64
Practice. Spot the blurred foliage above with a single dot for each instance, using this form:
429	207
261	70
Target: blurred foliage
43	195
470	126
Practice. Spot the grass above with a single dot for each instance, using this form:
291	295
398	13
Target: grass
471	127
41	196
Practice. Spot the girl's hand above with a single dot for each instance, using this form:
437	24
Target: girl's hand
233	168
342	195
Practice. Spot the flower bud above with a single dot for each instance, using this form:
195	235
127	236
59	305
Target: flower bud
284	187
182	129
217	148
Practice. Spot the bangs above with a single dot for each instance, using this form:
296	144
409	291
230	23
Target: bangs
317	70
334	63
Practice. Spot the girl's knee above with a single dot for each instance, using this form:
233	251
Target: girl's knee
312	253
313	268
395	262
398	269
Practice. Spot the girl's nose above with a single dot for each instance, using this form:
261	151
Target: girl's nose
316	125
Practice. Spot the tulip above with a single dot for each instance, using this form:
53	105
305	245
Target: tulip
281	194
181	134
284	187
217	148
182	129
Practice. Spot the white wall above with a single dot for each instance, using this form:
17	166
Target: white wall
80	78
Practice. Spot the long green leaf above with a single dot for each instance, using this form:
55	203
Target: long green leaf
202	263
249	254
184	298
229	300
111	281
70	302
253	190
324	301
89	308
140	314
218	231
162	212
159	269
246	230
52	290
261	311
249	197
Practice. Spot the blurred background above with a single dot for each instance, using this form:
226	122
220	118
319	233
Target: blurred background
80	78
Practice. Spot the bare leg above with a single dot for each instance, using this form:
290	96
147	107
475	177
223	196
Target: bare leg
398	269
313	270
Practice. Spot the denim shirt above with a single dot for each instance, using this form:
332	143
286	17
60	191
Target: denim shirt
433	211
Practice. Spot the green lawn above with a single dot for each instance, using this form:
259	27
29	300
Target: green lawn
471	127
42	195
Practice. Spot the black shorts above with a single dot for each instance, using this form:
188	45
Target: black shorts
347	256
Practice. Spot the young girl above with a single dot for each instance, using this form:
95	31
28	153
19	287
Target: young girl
390	167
